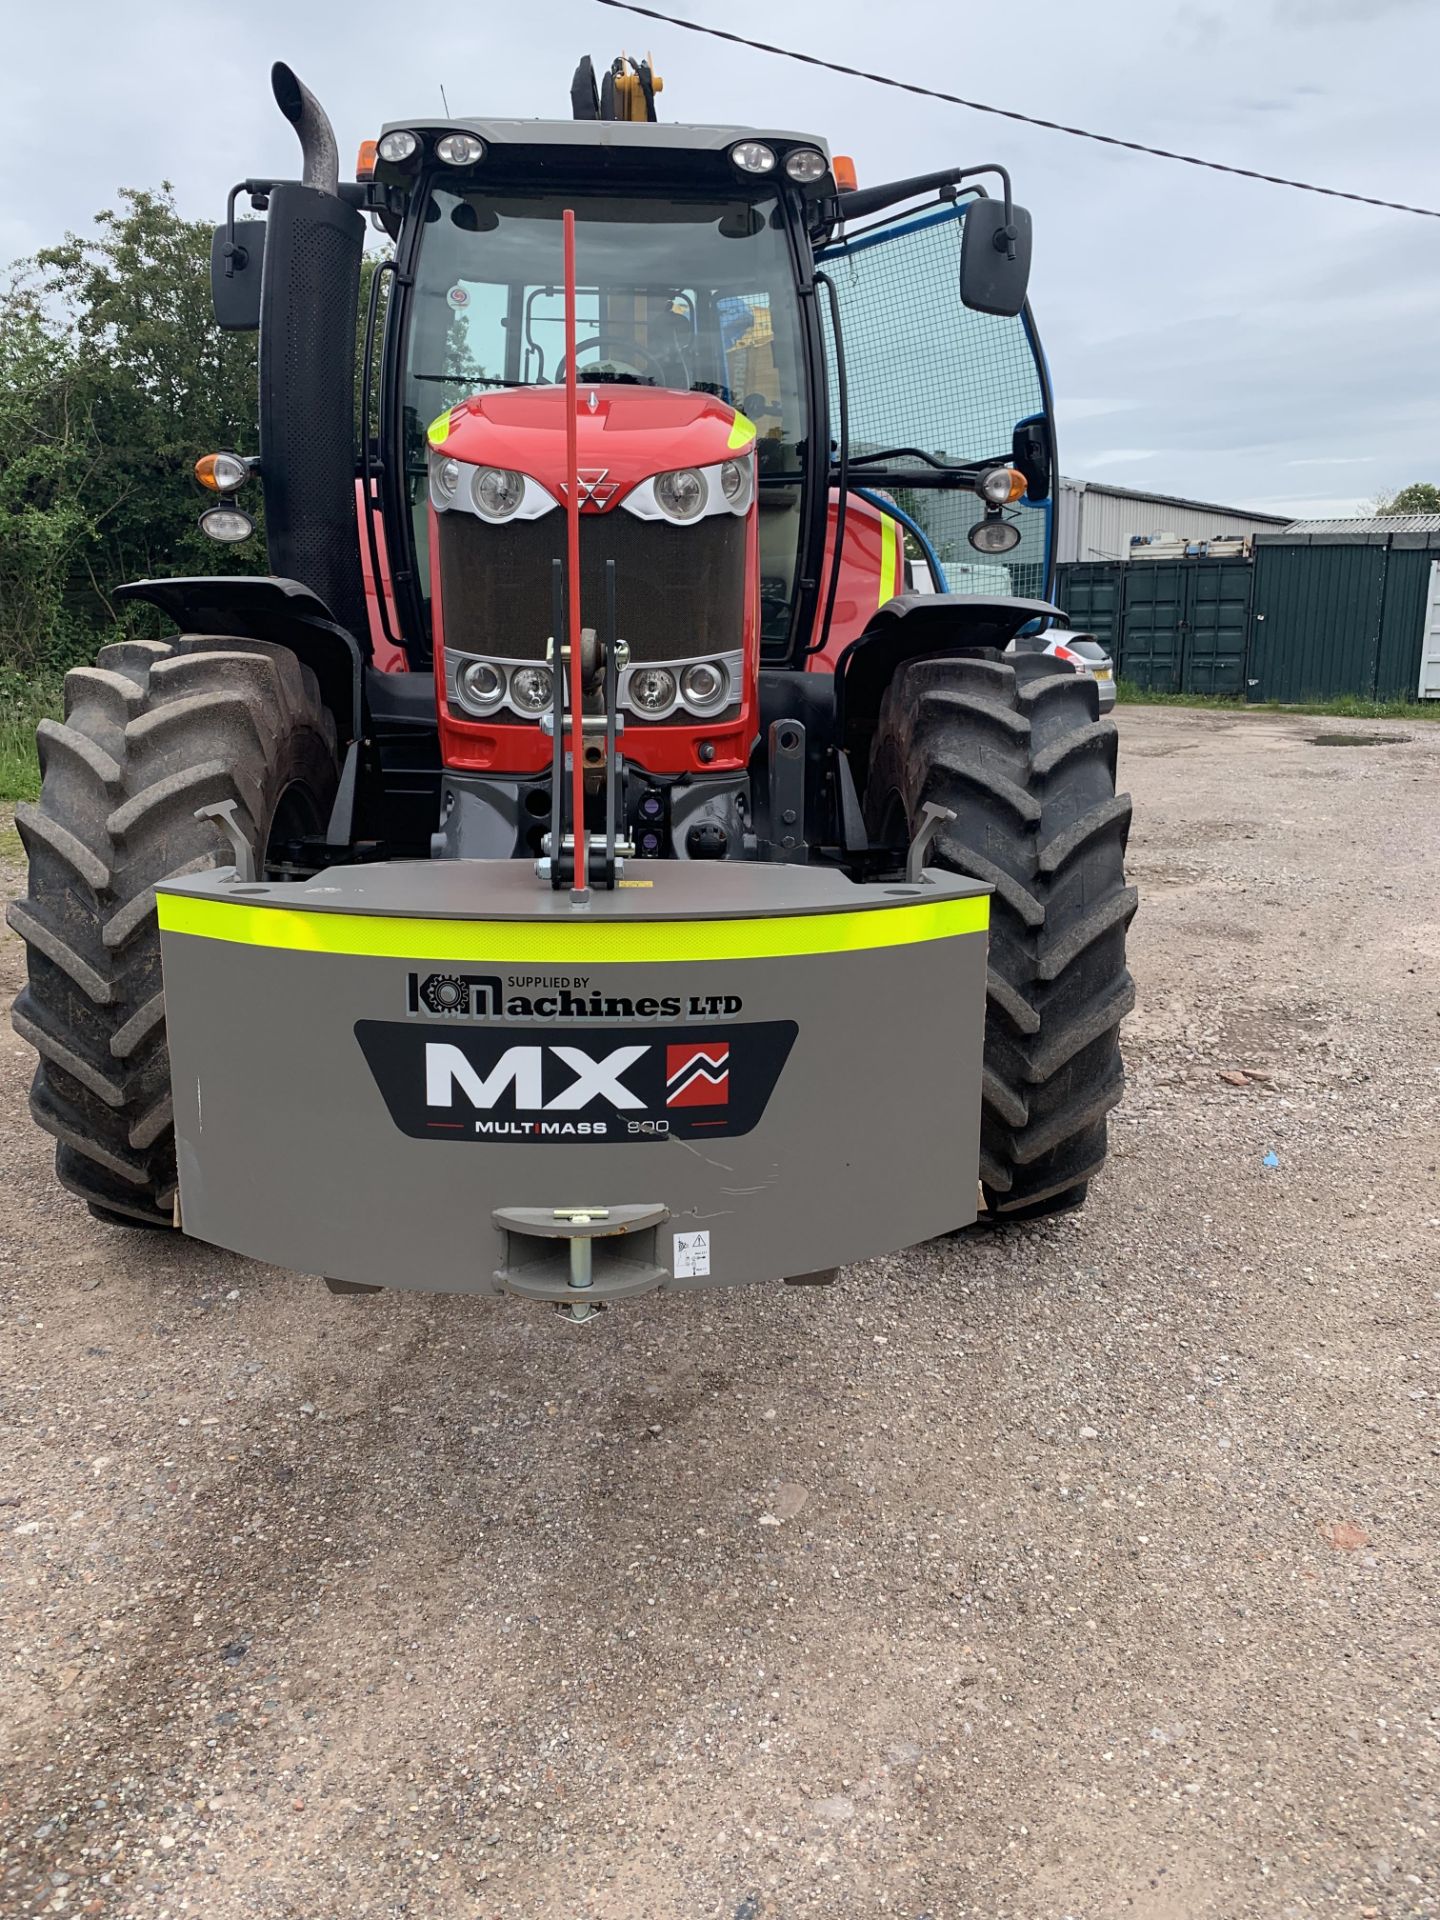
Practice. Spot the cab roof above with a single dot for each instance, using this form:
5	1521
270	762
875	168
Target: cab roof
608	148
666	135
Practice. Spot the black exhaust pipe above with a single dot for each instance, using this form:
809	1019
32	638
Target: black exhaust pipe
309	294
321	168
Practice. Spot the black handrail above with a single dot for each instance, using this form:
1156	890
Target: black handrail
842	395
369	471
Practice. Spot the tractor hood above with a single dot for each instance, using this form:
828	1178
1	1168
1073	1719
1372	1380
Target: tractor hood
625	435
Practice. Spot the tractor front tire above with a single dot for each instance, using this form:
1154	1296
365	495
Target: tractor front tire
153	731
1016	748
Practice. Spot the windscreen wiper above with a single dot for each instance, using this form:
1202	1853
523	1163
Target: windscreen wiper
479	380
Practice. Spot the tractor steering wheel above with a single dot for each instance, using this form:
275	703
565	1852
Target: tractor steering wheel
626	341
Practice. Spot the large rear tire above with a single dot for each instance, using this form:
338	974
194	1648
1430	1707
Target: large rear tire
1017	749
153	731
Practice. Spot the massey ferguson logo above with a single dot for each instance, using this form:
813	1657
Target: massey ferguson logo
698	1076
596	488
507	1084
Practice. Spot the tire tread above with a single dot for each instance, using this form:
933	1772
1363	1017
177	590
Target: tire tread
1016	747
152	731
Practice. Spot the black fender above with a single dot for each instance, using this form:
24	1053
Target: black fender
283	612
918	626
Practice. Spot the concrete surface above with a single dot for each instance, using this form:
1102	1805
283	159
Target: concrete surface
1087	1570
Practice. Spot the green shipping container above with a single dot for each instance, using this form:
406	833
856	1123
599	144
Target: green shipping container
1090	592
1337	614
1176	626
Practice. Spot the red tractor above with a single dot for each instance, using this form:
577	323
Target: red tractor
646	764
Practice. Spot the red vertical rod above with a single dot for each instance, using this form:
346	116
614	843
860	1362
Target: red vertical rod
580	880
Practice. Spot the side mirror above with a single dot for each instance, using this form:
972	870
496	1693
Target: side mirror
235	264
995	257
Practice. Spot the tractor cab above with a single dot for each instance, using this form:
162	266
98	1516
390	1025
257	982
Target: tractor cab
686	287
741	265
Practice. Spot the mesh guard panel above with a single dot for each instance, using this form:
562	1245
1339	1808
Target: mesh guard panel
924	371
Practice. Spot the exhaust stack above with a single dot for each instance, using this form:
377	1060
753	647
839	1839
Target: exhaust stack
309	293
312	125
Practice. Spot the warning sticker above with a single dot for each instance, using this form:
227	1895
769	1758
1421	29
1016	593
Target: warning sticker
692	1255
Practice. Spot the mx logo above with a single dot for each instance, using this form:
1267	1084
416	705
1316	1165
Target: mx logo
698	1076
521	1075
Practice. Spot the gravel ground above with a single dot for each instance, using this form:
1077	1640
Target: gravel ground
1087	1569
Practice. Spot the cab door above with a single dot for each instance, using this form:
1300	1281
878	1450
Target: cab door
931	386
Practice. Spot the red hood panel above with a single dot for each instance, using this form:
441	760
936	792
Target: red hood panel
630	432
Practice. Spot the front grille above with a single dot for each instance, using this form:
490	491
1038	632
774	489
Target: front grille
679	591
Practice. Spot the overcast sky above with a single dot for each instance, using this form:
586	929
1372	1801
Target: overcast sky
1207	337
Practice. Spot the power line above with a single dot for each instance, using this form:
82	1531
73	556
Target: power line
1010	113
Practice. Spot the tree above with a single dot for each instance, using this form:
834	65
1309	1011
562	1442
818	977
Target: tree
113	379
1421	496
163	384
48	448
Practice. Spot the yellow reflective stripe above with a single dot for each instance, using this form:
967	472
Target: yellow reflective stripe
569	943
438	430
741	434
889	558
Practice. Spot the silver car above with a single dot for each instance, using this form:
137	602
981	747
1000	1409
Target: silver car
1085	653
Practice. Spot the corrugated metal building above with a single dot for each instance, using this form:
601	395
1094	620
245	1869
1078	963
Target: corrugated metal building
1099	523
1361	530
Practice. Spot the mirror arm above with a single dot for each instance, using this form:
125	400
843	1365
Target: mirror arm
863	201
918	479
237	258
860	202
1004	241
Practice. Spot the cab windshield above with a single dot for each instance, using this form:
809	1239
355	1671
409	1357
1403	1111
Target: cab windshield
691	294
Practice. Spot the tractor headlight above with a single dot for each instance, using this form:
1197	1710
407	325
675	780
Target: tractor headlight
682	495
480	686
704	686
492	494
397	147
806	165
652	689
994	534
753	156
532	689
497	492
688	494
459	149
226	524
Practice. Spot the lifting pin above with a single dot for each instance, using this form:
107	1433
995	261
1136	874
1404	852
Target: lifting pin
931	821
582	1264
223	814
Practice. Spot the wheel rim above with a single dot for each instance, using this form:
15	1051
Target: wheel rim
297	816
895	821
